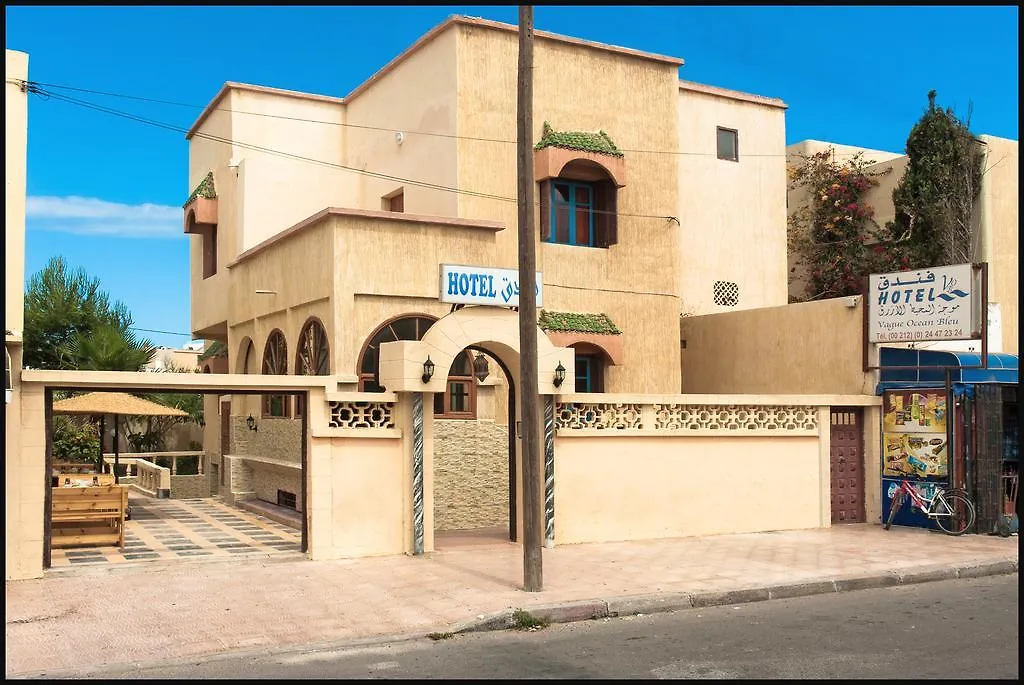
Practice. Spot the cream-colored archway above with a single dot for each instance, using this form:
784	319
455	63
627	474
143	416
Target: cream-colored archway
490	328
495	330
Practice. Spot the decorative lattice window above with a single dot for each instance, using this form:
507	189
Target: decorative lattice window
727	293
361	415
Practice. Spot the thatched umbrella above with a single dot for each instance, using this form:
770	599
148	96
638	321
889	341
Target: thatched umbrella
116	403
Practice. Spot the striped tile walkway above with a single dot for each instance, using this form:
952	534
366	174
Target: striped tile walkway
168	529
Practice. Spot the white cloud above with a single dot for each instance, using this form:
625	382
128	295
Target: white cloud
90	216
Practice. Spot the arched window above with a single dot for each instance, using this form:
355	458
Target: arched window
275	362
247	358
402	328
579	207
459	398
590	367
313	357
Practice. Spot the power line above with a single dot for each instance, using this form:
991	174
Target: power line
150	330
35	89
367	127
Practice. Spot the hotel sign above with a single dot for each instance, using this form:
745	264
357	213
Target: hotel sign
930	304
482	285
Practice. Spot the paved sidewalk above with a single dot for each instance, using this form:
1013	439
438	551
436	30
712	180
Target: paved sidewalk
88	619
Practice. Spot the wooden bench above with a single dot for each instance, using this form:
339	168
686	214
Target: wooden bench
91	515
77	480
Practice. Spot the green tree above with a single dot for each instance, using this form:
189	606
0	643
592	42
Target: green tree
154	437
935	199
108	347
833	236
60	303
75	440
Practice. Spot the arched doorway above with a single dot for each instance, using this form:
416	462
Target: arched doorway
403	368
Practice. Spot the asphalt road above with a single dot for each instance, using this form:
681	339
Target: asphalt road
949	629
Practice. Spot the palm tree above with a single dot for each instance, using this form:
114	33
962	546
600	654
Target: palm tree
108	347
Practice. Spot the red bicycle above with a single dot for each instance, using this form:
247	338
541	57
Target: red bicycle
952	511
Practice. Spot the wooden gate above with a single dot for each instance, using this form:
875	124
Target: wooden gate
847	458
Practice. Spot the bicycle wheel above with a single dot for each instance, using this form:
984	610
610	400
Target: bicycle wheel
954	513
897	502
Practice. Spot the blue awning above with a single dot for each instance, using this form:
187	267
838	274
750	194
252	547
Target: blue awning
932	365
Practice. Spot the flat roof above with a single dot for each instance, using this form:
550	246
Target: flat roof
509	28
412	49
731	94
234	85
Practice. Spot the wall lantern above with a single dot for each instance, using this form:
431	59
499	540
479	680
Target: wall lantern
559	375
480	367
251	423
428	370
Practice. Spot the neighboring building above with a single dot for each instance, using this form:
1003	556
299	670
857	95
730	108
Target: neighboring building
995	227
167	358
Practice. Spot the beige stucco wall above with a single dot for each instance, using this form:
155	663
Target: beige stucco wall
416	98
841	152
209	296
614	488
633	281
1000	244
811	347
279	189
732	214
22	475
15	150
24	483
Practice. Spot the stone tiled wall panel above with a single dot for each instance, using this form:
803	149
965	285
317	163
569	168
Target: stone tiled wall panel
276	438
267	479
238	476
190	487
470	474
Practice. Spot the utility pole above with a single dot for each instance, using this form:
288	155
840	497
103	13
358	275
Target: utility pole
533	570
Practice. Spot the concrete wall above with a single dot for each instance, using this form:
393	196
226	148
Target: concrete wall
1000	230
15	150
732	214
417	98
812	347
209	303
636	104
470	474
614	488
190	487
23	475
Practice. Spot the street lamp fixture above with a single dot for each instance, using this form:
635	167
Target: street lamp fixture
559	375
428	370
480	367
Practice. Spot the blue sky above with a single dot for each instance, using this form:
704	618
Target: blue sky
106	192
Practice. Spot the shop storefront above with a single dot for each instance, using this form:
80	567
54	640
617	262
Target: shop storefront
964	433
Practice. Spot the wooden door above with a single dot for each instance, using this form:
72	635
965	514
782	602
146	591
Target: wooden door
847	457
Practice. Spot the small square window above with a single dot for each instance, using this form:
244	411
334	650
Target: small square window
728	145
727	293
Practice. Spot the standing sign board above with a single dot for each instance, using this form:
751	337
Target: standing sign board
939	303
